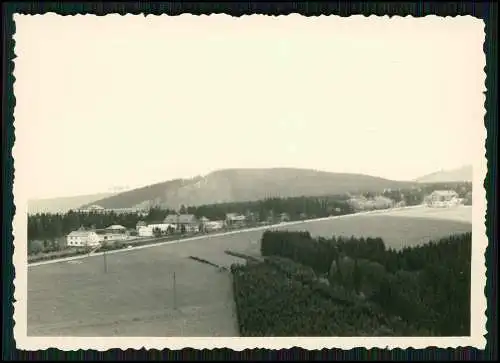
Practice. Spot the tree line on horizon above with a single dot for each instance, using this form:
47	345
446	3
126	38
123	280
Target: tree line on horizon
49	227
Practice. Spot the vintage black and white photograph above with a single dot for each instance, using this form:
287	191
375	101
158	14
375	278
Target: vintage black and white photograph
185	181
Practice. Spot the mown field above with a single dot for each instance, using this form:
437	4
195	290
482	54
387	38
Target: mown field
458	214
399	228
136	296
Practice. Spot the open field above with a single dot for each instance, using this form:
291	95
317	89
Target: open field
458	213
398	228
136	296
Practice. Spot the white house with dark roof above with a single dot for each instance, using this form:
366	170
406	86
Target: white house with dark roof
82	238
186	222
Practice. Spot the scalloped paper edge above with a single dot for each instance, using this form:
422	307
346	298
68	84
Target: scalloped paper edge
480	240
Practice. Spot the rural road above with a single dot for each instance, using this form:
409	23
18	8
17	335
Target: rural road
79	257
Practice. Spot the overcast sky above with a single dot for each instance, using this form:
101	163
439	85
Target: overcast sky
127	101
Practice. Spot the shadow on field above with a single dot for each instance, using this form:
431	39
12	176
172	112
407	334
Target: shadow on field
201	260
244	256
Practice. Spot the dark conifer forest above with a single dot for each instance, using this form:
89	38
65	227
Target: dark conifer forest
354	287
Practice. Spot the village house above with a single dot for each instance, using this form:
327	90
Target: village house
400	204
152	229
360	203
83	238
442	198
284	217
235	220
99	209
112	233
92	209
251	217
468	199
214	225
145	231
140	224
203	223
116	228
164	228
381	202
183	222
140	212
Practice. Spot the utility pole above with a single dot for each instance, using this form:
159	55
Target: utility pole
177	226
175	293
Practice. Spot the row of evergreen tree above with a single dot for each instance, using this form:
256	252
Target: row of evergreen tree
427	286
271	302
47	226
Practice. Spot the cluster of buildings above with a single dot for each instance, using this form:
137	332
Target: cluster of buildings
189	223
173	223
94	237
361	203
98	209
443	199
437	199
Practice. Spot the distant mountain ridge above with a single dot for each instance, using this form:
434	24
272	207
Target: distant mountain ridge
238	185
63	204
463	174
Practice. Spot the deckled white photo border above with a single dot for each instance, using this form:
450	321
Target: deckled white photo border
22	183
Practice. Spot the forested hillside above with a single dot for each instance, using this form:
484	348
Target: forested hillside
463	174
242	185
